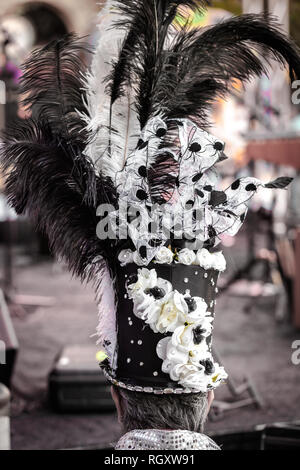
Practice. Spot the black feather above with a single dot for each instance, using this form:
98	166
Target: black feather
280	183
162	178
52	84
52	88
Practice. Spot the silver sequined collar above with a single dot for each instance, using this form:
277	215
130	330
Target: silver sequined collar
155	439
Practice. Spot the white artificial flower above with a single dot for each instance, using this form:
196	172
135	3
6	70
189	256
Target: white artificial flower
143	304
195	379
164	256
218	376
199	353
172	314
180	371
205	258
183	337
199	312
165	285
219	261
125	257
186	256
147	279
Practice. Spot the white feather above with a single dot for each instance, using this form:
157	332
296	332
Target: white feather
124	118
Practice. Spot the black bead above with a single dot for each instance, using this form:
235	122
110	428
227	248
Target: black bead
251	187
142	195
161	132
195	147
199	193
198	335
189	204
156	292
191	303
197	177
235	184
208	188
142	171
219	146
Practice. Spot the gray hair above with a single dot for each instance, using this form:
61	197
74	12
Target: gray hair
149	411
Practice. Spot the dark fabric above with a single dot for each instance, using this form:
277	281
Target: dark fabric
131	372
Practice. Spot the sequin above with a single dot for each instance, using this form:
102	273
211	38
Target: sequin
155	439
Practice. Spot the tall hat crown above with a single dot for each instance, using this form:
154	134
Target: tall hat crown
137	147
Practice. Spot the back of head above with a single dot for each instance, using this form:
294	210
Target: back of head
168	412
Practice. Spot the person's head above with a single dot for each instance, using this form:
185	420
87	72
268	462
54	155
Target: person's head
138	410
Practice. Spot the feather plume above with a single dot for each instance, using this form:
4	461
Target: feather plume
52	83
42	179
141	57
202	65
111	132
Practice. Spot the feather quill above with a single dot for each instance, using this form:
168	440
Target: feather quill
111	132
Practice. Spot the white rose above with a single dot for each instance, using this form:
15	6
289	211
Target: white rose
186	256
180	371
199	312
142	304
173	312
199	353
204	258
196	379
125	257
219	261
164	256
184	337
147	279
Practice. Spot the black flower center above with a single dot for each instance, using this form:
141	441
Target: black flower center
198	334
156	292
191	303
208	366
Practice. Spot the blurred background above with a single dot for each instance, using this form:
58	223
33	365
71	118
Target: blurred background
58	397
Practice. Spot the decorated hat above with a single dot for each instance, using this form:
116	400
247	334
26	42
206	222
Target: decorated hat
121	171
